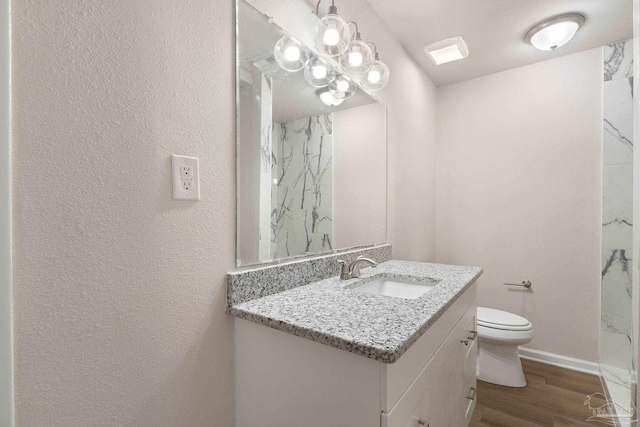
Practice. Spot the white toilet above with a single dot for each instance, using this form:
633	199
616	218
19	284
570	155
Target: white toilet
499	335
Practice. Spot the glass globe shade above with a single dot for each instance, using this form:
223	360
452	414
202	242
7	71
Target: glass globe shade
342	87
377	77
318	72
357	59
290	54
331	35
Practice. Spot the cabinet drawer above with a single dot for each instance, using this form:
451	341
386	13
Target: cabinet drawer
400	375
410	412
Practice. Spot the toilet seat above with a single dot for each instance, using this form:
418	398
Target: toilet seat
502	320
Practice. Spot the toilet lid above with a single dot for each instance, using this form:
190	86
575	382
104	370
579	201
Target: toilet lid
498	319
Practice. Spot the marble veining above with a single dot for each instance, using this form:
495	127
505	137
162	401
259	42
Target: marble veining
616	292
383	328
302	199
618	60
619	384
253	283
618	121
617	207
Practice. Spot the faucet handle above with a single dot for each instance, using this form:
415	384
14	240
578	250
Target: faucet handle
344	274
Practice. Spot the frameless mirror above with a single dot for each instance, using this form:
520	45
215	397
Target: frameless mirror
311	177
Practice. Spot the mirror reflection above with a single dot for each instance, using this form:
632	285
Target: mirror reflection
311	162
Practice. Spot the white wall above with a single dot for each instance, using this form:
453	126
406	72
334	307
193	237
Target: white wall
519	191
119	291
360	159
6	356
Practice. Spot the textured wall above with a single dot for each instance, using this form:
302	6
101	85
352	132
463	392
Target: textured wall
6	381
519	190
120	291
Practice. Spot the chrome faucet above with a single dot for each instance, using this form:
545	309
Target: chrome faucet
351	271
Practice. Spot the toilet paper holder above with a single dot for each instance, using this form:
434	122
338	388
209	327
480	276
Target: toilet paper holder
524	284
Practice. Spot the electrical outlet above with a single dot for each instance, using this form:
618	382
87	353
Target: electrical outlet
186	171
186	178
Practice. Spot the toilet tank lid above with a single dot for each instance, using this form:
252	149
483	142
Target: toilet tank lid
499	317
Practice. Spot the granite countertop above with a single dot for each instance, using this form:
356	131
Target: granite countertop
378	327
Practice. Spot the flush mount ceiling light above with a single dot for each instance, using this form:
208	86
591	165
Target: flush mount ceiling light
448	50
554	32
327	98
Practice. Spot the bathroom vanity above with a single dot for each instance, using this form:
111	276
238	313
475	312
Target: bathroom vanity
332	354
395	347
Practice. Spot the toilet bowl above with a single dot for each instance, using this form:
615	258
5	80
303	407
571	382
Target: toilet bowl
499	335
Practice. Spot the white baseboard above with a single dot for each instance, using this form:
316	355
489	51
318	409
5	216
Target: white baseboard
558	360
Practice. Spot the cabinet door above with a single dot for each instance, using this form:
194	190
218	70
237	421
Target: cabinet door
452	376
443	396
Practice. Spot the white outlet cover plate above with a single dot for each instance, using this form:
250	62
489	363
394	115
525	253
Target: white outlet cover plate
179	191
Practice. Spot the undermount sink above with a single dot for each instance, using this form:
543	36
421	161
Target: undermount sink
395	287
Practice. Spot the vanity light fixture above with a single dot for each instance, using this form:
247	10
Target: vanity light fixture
554	32
318	72
342	87
332	37
378	75
331	34
451	49
290	54
358	57
327	97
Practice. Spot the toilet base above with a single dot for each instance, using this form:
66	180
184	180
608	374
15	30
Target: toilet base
500	364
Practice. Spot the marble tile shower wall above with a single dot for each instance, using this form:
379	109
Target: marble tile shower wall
302	196
617	210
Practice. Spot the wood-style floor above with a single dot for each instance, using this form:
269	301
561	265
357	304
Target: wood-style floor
554	397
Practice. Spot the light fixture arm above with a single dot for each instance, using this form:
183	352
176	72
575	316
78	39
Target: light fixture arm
356	35
333	10
375	50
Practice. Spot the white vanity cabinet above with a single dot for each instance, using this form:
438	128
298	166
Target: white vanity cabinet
283	380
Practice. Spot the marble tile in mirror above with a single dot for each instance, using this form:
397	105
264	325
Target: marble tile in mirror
311	178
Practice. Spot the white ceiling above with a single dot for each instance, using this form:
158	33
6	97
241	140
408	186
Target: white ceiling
494	30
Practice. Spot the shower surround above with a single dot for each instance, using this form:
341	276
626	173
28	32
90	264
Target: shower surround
617	224
302	180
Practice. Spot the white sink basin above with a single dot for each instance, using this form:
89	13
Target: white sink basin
397	288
